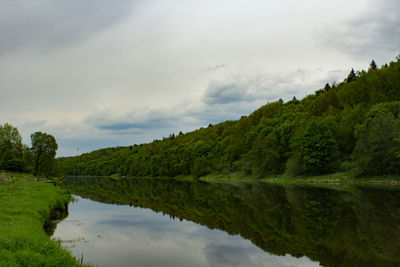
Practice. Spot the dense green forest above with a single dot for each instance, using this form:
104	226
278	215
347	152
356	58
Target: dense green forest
352	125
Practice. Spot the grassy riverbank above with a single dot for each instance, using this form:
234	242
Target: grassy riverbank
25	206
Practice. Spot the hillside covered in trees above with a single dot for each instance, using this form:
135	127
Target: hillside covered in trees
351	125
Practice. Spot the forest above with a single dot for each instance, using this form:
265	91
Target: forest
352	125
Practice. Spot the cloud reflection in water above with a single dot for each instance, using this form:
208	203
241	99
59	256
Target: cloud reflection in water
119	235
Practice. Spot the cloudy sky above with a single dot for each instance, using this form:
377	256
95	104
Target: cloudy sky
99	73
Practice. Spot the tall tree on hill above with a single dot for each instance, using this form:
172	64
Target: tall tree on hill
44	147
372	66
351	76
327	87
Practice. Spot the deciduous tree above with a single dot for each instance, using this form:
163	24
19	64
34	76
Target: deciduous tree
44	147
11	149
319	148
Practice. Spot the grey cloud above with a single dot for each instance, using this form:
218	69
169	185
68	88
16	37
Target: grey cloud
375	32
43	23
120	126
134	122
211	113
223	93
267	88
232	98
239	90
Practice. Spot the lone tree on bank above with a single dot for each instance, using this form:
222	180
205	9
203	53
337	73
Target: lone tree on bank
44	147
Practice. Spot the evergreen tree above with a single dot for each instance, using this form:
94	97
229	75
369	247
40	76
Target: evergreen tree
372	66
351	77
327	87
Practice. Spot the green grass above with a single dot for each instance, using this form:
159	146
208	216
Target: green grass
25	206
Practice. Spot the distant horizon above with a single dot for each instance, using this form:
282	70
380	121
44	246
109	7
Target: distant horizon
99	74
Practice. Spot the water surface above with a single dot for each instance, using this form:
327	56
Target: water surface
153	222
120	235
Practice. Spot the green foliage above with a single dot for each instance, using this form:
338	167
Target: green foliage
377	147
44	147
11	149
319	148
272	139
201	167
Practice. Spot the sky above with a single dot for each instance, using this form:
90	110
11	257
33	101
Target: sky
97	73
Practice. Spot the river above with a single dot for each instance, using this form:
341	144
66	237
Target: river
157	222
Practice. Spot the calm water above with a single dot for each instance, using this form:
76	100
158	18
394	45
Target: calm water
120	235
145	222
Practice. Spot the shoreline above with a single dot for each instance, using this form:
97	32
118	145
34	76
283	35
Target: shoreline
341	179
28	206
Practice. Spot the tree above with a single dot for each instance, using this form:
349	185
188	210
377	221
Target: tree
327	87
377	146
319	148
11	149
372	66
201	166
265	155
319	92
351	76
44	147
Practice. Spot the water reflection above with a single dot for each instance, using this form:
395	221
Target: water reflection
119	235
358	226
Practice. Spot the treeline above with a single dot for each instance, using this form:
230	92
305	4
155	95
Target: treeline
351	125
38	159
